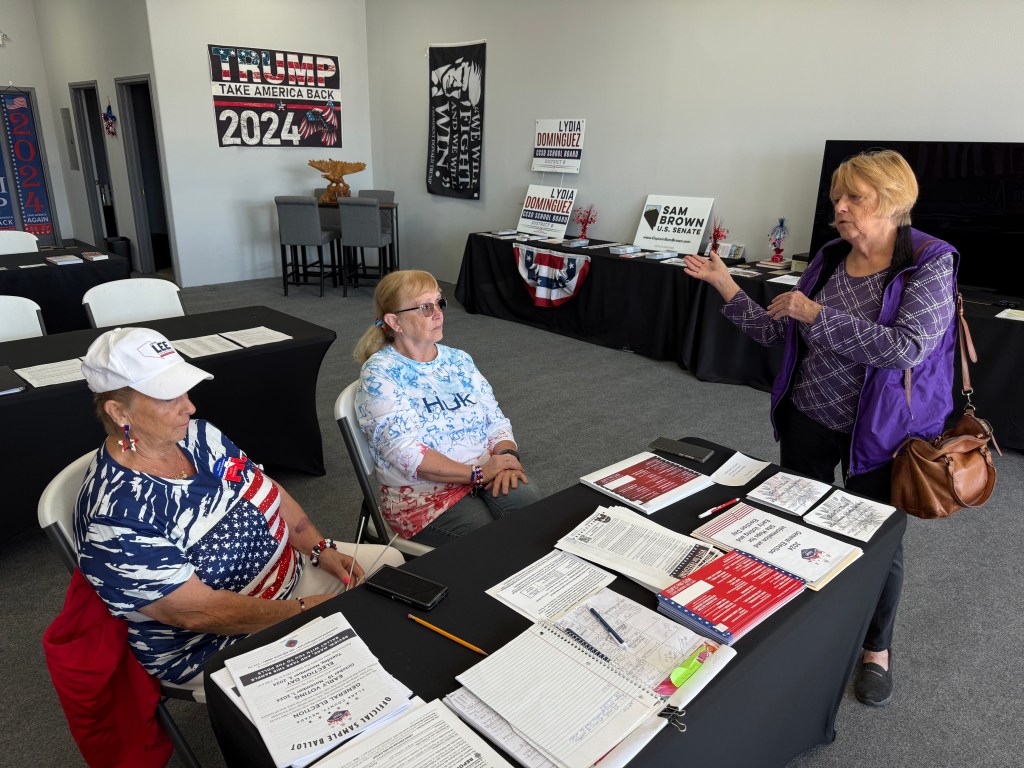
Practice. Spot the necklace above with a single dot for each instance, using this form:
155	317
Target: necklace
183	473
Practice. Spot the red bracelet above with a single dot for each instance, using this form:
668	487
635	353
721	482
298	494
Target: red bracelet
302	604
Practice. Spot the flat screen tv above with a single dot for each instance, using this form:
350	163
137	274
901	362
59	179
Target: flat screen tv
971	196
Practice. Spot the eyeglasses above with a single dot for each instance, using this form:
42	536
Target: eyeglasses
427	310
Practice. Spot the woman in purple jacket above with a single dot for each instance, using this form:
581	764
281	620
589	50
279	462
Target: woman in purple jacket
869	334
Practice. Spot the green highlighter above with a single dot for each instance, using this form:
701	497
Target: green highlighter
695	661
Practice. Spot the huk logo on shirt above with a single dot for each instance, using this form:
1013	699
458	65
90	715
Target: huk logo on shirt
457	402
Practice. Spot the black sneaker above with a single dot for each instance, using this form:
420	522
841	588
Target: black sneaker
873	687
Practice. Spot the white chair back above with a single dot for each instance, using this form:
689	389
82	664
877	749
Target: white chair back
134	300
16	241
377	528
20	318
56	508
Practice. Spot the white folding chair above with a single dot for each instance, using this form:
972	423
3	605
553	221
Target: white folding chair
20	318
56	512
134	300
376	528
16	241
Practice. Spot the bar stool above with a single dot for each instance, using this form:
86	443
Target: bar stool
361	227
298	219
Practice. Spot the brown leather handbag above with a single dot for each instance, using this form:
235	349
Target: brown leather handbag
936	478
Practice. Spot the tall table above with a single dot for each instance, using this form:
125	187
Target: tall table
263	398
777	698
58	290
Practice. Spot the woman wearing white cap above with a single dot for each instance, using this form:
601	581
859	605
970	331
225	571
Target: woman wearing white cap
179	532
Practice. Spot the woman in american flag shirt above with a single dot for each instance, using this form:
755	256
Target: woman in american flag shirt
179	532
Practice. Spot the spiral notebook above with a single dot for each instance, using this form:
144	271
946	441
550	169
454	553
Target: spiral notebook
567	702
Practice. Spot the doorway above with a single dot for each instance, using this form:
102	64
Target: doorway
98	192
145	177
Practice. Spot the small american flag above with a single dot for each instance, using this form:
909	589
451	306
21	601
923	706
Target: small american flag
18	102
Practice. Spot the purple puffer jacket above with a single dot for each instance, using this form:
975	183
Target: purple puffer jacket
885	413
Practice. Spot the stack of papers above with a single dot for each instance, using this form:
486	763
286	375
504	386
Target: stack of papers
47	374
789	493
67	259
809	555
849	515
550	587
251	337
647	482
429	736
201	346
314	689
640	549
729	597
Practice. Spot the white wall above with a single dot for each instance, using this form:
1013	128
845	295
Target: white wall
22	63
221	200
93	40
731	99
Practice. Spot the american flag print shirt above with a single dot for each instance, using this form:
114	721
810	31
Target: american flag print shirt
140	537
407	407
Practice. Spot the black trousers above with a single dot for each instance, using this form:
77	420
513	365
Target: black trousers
812	449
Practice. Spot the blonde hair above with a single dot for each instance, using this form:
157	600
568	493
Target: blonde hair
392	292
888	174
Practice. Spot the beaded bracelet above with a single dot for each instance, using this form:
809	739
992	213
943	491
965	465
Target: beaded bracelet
319	549
476	478
302	604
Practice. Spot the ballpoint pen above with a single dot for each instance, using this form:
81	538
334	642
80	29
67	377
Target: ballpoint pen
719	508
607	626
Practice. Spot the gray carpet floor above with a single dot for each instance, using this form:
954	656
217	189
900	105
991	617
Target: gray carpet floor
576	407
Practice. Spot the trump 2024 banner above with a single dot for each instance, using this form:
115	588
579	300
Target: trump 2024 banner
455	143
673	223
26	169
558	145
270	98
546	211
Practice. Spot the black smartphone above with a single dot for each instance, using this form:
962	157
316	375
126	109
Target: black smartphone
679	448
407	587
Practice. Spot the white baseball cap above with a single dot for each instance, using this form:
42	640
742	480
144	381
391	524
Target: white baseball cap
141	359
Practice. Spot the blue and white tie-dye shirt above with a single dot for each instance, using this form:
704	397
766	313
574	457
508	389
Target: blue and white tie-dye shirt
140	537
406	407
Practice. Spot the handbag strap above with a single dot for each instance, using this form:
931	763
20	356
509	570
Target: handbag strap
966	348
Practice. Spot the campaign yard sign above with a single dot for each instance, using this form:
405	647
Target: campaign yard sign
546	211
558	145
270	98
674	223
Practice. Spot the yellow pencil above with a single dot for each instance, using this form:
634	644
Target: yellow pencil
450	636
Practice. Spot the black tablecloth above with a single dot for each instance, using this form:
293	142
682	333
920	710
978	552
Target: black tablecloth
58	289
658	311
631	304
778	697
263	398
